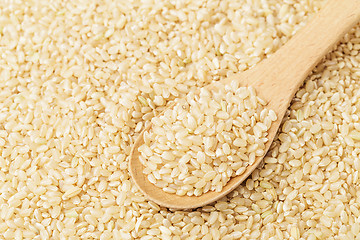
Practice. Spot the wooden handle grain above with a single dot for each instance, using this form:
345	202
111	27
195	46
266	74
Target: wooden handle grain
303	51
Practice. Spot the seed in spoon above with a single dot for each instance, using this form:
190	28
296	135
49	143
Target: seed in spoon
206	139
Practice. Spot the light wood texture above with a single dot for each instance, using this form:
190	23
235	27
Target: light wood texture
276	80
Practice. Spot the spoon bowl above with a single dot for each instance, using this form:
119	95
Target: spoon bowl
276	80
187	202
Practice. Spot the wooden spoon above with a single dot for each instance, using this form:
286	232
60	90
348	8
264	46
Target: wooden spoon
275	80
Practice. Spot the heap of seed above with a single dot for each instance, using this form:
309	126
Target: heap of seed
79	80
205	139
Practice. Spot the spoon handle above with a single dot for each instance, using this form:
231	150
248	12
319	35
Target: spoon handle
305	49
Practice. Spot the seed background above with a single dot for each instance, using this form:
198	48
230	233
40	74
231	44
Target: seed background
80	79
